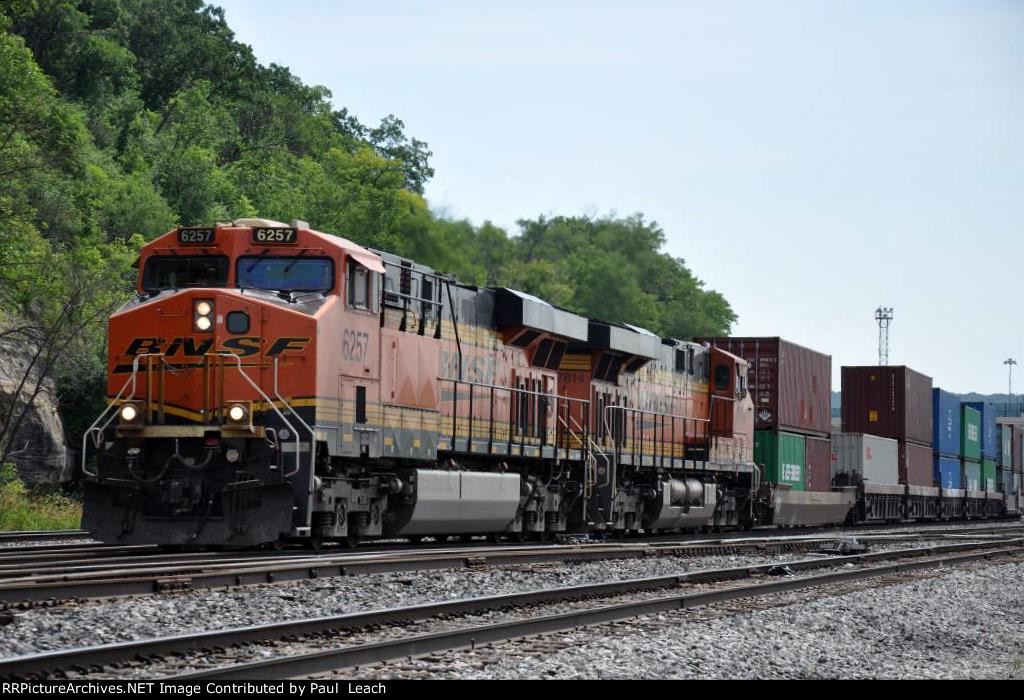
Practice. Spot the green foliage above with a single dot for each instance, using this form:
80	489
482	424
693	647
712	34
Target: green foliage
24	509
609	268
120	119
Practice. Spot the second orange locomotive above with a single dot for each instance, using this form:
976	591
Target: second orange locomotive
270	383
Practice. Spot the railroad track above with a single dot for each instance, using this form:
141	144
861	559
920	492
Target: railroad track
108	549
46	578
41	535
599	607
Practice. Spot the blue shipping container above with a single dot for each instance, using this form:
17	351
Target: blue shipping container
947	472
989	436
946	423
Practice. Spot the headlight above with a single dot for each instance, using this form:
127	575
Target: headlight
203	315
238	414
130	415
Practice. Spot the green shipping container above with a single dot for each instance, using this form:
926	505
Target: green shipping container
970	434
1005	446
782	458
989	475
972	476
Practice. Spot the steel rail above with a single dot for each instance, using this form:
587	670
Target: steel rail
351	657
29	535
46	663
126	578
25	564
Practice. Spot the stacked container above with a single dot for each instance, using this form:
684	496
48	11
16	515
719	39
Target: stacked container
946	440
791	387
1011	432
970	447
783	457
866	458
1004	433
989	429
893	402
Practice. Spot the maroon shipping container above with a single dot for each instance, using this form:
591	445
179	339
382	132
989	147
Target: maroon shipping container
891	402
916	465
791	386
819	464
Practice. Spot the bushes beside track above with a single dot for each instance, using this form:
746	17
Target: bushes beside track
30	509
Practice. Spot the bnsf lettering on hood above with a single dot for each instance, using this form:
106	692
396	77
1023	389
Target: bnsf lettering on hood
243	346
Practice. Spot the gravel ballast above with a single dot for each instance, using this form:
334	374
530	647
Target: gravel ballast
959	623
107	622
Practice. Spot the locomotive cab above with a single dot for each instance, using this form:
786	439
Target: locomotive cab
729	395
208	437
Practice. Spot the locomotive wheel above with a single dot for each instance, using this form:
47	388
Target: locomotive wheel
494	537
352	541
518	537
275	546
315	543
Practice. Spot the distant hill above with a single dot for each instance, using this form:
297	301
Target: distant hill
1004	405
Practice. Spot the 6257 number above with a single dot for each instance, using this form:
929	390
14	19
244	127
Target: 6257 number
354	345
195	236
274	236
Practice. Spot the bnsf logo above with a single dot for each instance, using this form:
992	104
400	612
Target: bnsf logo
243	346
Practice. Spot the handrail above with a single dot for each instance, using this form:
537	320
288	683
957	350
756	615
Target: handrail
113	402
512	388
312	433
132	381
89	431
254	385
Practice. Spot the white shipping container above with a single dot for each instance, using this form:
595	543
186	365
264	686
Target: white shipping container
866	457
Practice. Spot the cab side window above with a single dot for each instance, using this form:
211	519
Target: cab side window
722	377
358	286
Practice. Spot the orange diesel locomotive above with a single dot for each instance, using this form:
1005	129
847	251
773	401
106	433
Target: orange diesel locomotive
271	383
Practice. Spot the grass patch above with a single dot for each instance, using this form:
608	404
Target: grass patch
25	509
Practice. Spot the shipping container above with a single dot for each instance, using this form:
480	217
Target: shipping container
1006	446
868	458
818	460
916	464
989	475
972	475
791	385
970	434
782	458
1018	448
947	472
946	423
893	402
989	437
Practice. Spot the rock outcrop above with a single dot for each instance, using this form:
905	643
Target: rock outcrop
38	447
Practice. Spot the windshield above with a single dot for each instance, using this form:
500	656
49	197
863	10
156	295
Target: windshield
175	272
286	274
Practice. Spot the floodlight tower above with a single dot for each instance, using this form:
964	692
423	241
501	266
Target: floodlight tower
884	317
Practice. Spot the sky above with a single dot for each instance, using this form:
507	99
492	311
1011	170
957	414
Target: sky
811	160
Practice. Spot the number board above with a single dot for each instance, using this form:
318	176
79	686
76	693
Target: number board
196	236
275	236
